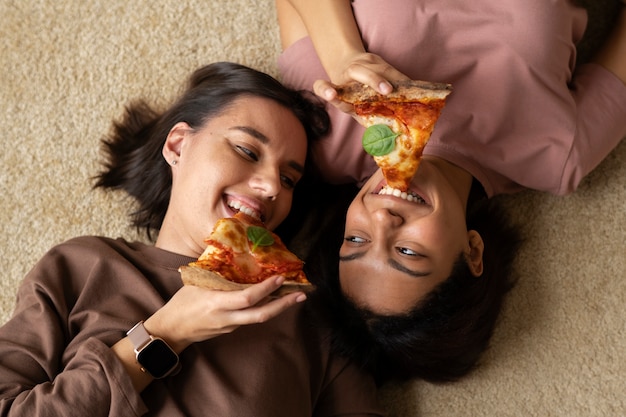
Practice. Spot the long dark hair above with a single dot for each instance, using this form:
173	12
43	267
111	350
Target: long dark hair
133	161
446	333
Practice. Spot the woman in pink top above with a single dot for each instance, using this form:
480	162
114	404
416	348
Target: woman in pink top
520	116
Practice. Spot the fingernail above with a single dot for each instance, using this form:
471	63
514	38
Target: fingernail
300	298
280	280
385	87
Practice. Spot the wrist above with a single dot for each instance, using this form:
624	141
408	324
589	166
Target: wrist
155	328
153	355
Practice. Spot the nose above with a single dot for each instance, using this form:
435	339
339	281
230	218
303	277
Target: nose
267	183
387	218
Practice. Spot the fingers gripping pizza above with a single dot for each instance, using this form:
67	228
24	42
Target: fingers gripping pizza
241	252
398	124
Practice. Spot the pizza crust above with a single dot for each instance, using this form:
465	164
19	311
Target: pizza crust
403	90
193	275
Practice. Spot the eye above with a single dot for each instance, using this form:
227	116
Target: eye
247	153
355	239
407	251
288	182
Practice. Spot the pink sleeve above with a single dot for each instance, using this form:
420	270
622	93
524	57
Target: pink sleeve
601	122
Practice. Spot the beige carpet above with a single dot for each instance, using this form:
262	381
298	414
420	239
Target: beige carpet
68	67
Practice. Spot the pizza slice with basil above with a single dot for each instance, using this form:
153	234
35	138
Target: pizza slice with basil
398	124
241	252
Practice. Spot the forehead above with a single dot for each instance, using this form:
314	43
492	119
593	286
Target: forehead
381	290
261	113
374	284
271	125
248	105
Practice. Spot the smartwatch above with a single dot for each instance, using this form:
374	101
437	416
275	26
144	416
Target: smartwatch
155	357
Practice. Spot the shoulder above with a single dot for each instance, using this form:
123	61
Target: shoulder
89	268
99	245
90	243
77	258
85	248
87	256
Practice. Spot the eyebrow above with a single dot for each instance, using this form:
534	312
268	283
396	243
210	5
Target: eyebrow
252	132
393	263
265	140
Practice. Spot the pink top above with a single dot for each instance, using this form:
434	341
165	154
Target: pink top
518	117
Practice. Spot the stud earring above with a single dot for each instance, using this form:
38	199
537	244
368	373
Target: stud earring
174	162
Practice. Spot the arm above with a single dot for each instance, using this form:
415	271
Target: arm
599	93
329	23
196	314
337	40
55	350
44	370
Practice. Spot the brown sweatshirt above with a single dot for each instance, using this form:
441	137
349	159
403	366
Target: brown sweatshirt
82	297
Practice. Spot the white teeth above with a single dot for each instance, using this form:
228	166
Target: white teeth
248	211
405	195
237	205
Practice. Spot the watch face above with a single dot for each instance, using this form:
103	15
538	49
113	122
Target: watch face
157	358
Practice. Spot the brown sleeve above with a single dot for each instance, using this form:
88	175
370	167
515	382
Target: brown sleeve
37	372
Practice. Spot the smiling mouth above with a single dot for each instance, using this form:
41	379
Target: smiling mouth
238	206
404	195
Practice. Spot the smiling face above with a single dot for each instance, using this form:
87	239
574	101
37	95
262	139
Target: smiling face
397	248
248	158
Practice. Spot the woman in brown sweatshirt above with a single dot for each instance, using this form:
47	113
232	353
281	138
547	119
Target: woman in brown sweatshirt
236	137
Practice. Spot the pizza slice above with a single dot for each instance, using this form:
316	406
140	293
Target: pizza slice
241	252
398	124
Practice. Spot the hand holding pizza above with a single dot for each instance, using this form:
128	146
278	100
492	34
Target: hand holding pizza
195	314
246	275
367	68
364	67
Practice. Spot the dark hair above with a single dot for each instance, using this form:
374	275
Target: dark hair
444	336
133	159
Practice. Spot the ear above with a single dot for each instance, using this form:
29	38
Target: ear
174	142
475	255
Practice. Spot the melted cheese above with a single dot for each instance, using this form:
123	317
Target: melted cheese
229	253
414	123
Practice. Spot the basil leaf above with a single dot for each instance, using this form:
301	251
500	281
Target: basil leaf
379	140
259	236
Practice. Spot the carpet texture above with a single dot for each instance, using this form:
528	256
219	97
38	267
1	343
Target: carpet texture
68	67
